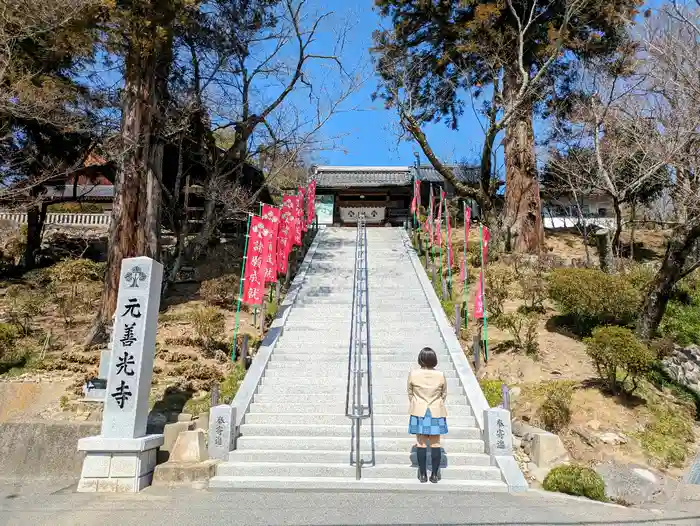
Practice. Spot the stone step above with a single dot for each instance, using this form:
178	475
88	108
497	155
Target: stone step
393	339
341	419
401	409
345	430
338	399
312	344
340	375
313	313
321	385
304	469
449	459
350	485
340	370
377	358
342	443
400	353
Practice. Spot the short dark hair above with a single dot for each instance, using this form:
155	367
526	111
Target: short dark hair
427	358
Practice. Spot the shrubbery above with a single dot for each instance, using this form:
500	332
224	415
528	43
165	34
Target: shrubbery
23	306
555	411
667	438
591	298
617	351
576	480
72	286
221	291
499	281
208	324
10	355
523	328
492	391
681	323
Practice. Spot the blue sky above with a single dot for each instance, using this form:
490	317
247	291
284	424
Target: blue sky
367	135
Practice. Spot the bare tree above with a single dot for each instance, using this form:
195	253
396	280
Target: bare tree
602	145
250	98
672	42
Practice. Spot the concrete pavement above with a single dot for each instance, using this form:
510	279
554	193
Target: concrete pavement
57	505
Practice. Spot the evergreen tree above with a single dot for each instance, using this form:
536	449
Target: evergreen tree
518	49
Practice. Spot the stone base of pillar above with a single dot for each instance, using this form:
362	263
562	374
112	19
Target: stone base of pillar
118	465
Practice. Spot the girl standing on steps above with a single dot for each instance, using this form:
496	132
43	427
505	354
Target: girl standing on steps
427	391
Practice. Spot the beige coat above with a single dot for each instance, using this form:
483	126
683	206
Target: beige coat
427	389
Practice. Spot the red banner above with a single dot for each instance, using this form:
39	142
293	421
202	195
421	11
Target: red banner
438	222
272	214
431	217
284	240
450	256
311	203
418	195
414	201
256	256
288	230
467	224
485	238
299	214
479	298
302	208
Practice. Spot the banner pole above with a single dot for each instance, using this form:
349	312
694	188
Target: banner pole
483	295
465	283
240	290
448	245
442	270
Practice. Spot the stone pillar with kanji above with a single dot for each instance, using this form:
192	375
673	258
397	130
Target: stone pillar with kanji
122	458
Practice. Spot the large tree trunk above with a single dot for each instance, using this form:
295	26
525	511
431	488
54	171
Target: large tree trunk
618	227
524	229
680	247
135	226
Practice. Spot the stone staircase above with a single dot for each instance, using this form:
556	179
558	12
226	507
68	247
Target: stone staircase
296	434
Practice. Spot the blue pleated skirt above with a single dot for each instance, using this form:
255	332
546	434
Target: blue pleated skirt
427	425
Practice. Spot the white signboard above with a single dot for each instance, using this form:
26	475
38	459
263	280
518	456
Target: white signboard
373	214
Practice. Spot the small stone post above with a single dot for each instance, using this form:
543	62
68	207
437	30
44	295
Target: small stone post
122	458
476	348
222	431
244	351
458	320
215	395
498	433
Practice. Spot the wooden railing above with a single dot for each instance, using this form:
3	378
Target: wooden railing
65	219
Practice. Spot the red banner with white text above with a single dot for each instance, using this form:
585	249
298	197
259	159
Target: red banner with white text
272	214
256	258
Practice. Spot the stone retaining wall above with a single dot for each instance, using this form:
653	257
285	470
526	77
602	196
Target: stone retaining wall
683	366
41	450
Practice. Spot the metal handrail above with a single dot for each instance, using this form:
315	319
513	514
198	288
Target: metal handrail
359	342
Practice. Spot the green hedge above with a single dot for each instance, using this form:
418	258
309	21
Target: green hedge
576	480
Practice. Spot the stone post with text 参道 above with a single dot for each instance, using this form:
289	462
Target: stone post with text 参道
122	458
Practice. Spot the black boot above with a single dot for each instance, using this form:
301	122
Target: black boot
422	464
435	457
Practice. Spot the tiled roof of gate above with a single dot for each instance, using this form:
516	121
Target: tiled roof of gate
362	176
466	174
